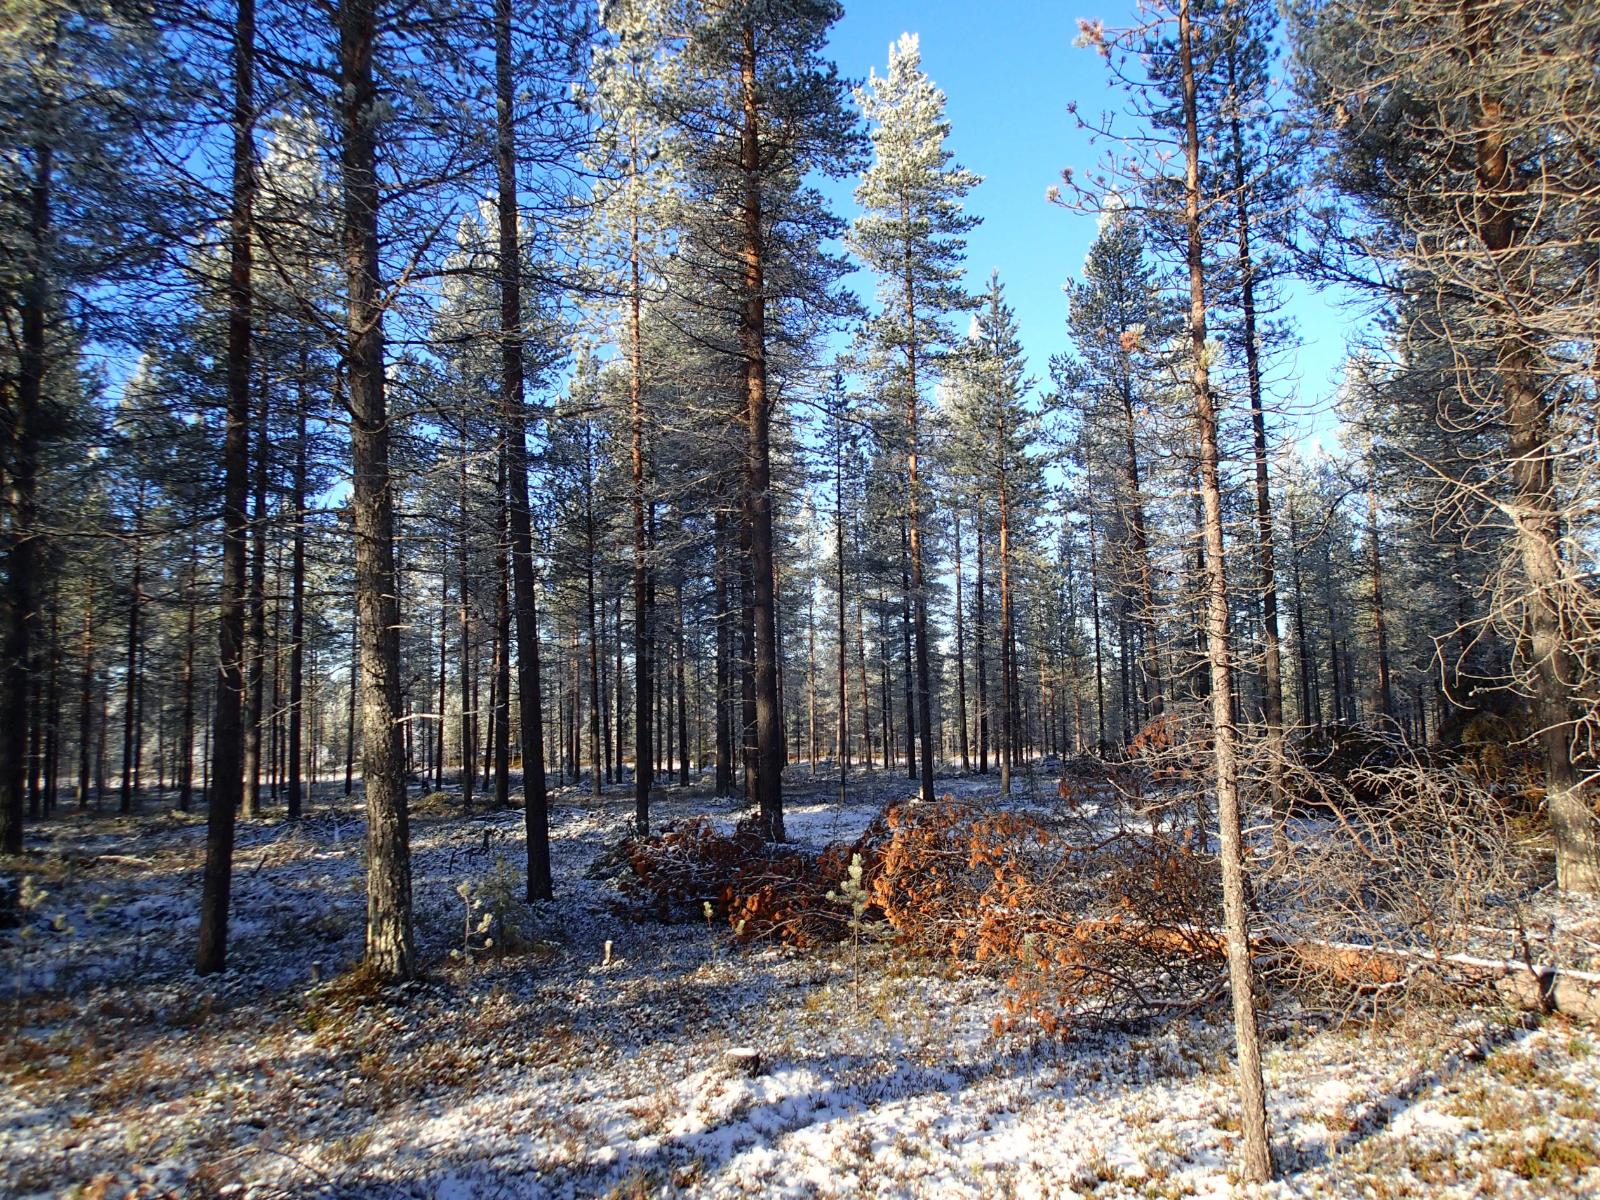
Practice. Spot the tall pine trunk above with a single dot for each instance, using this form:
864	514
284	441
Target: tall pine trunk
391	950
919	593
225	782
535	802
758	459
1257	1164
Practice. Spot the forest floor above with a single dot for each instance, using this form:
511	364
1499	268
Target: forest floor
553	1072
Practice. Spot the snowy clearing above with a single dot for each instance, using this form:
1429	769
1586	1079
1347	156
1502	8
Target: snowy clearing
554	1073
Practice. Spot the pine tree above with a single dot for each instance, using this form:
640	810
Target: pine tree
756	108
993	419
1471	171
1121	327
911	235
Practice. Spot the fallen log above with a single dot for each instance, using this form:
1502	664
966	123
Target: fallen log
1530	986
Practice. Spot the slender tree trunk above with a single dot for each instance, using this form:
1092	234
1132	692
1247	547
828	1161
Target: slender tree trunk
961	655
128	794
186	718
1266	550
275	709
86	695
227	741
255	662
906	655
621	709
391	950
811	677
350	710
1380	625
605	694
1149	656
1257	1164
838	553
919	594
596	700
724	671
52	737
747	677
886	681
297	597
502	638
1101	745
468	723
979	625
1336	675
644	716
861	668
536	816
1007	648
1302	647
683	694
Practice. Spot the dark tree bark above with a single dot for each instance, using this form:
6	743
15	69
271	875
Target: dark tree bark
919	593
758	458
227	740
391	950
535	802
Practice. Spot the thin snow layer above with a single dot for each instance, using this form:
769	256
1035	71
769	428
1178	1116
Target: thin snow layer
554	1073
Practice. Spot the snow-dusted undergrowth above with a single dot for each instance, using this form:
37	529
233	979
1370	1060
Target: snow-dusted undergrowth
555	1073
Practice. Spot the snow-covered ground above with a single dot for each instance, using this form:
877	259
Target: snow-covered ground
556	1073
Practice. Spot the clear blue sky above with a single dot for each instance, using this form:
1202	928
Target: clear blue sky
1009	70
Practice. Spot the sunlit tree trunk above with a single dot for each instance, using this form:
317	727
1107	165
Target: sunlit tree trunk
1257	1157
